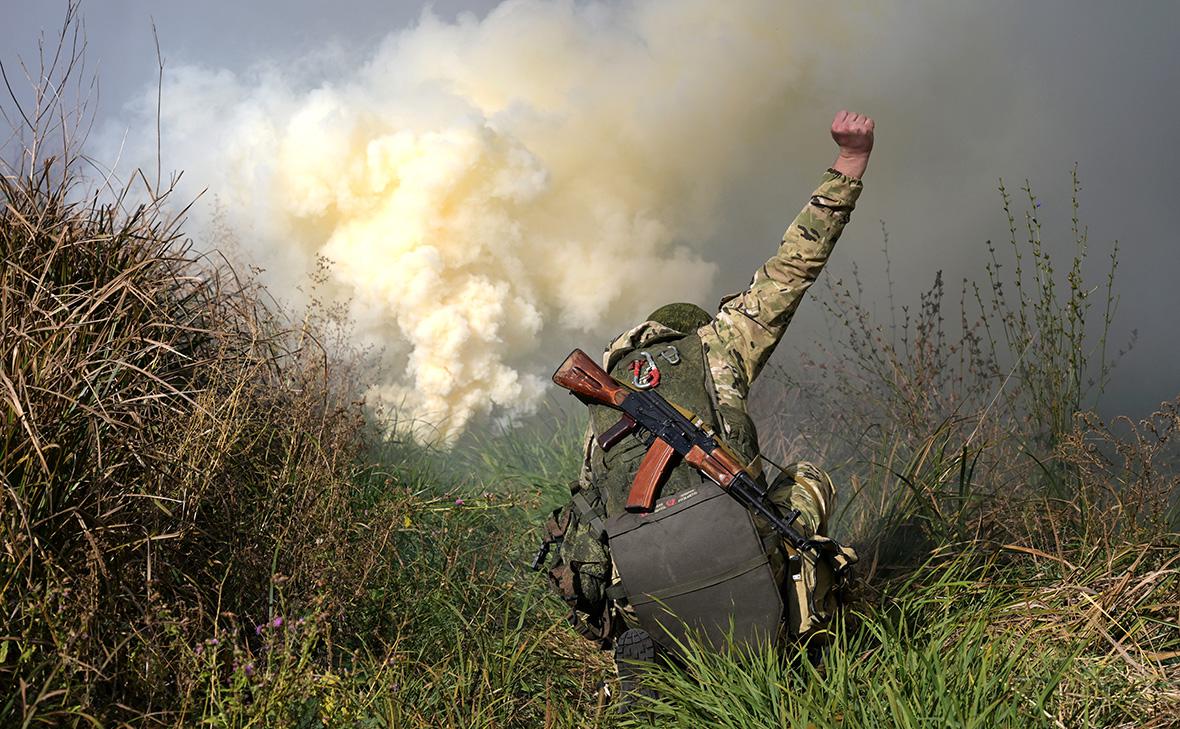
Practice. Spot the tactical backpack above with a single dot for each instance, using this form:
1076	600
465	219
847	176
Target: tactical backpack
731	586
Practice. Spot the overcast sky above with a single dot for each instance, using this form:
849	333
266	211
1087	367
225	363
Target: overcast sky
963	95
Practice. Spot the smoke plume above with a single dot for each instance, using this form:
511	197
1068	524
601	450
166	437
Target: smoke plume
483	189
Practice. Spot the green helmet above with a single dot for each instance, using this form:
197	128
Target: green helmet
682	317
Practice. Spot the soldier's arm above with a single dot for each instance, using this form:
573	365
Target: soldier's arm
749	325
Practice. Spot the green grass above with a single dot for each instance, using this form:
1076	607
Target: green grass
457	632
974	637
960	643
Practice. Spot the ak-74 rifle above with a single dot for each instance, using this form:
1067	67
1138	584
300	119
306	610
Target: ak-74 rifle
673	432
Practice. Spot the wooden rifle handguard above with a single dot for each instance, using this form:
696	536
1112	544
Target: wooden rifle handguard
718	466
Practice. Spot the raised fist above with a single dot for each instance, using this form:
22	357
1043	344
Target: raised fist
854	134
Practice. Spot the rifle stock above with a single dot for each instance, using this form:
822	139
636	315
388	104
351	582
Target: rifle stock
590	383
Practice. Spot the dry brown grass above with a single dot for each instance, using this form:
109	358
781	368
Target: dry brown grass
175	455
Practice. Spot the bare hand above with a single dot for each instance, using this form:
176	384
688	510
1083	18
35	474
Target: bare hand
854	134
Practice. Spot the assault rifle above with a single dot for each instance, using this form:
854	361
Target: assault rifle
672	432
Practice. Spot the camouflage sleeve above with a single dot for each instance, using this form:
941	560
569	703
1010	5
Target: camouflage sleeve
748	325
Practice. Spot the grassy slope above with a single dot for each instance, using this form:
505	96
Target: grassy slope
973	637
280	573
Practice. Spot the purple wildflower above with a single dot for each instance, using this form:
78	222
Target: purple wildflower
277	622
248	669
458	502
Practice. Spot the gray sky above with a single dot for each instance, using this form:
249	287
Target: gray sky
963	95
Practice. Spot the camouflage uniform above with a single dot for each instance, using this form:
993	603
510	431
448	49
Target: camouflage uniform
737	343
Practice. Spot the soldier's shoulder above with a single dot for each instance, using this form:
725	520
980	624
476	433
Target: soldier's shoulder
637	337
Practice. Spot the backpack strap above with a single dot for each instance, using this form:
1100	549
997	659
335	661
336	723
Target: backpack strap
588	514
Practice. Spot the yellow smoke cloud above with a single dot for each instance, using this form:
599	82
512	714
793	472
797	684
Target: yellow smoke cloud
485	188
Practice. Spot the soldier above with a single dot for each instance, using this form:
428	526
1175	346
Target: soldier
707	364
